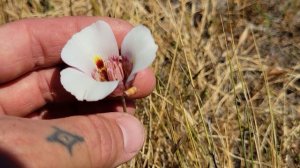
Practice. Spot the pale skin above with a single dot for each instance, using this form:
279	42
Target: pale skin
79	134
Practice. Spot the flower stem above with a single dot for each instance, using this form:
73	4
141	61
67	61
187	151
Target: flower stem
124	104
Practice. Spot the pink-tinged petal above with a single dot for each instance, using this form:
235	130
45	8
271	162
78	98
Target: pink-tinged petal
84	87
96	39
139	46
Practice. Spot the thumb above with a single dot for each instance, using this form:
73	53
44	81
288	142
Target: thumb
102	140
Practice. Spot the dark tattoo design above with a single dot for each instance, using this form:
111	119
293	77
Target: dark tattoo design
64	138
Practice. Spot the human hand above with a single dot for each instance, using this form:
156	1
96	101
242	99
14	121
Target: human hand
79	134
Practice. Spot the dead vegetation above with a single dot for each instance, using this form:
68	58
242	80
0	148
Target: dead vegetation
228	77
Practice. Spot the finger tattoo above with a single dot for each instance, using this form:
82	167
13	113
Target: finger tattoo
66	139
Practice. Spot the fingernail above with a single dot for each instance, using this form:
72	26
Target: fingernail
133	133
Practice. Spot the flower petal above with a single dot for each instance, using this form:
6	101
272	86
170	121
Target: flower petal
139	46
96	39
84	87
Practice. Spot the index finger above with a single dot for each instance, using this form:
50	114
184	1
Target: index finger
32	44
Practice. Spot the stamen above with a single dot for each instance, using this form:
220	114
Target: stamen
131	91
96	58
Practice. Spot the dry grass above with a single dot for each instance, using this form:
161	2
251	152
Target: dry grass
228	77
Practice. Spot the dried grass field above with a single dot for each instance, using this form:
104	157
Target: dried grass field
228	77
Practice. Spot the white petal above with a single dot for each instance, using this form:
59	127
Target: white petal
140	47
96	39
84	87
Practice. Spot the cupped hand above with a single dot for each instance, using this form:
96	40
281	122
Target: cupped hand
77	134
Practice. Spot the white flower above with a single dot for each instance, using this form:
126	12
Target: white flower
97	68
